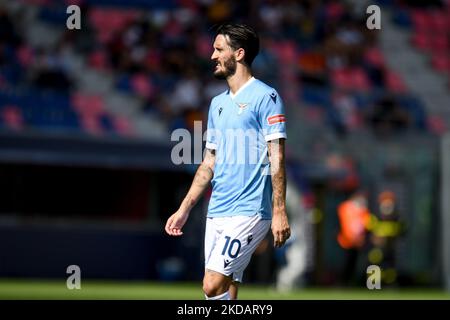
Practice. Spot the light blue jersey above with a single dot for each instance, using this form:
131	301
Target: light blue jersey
239	127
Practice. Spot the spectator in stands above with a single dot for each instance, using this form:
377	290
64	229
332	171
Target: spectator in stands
388	117
8	33
52	70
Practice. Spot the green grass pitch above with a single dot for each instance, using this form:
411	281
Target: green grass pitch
108	290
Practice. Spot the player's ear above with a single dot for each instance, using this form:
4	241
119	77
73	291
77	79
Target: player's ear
239	54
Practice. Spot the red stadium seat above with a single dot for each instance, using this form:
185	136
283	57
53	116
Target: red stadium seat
285	51
436	124
25	55
421	20
441	62
439	42
374	56
394	82
341	79
203	46
88	104
91	124
123	126
12	116
422	41
351	79
361	81
334	10
99	60
439	21
141	85
107	22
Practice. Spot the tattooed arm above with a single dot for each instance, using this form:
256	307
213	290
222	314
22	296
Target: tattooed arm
202	178
280	225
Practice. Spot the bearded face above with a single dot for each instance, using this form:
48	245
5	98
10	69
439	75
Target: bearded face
223	56
226	69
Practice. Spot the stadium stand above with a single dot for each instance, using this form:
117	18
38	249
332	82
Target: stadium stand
155	54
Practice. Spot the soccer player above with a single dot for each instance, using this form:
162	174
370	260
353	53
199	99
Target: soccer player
244	161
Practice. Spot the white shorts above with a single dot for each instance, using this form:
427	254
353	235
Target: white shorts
231	241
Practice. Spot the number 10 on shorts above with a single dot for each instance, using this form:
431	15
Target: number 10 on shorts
233	247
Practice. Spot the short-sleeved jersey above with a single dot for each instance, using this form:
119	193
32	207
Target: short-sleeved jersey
239	127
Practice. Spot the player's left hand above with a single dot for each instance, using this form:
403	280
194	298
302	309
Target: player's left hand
176	222
280	227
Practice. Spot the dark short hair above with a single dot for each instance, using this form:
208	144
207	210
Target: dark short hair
241	36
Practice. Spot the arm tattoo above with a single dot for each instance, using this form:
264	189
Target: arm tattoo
201	180
203	176
278	173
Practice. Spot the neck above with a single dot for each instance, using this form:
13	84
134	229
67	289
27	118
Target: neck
239	78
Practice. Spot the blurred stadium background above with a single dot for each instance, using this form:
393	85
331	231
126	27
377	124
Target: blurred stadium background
86	118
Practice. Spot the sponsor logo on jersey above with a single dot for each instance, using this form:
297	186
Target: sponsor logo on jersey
273	95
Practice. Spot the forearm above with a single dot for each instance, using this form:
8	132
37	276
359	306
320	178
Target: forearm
201	181
278	174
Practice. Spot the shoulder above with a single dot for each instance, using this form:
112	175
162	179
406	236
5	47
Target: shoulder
219	97
266	95
217	100
263	90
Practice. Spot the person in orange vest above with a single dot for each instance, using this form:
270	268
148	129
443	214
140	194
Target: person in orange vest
354	218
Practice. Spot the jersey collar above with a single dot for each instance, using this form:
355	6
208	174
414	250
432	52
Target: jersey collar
241	88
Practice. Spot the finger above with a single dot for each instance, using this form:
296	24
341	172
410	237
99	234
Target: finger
277	239
282	239
177	232
171	227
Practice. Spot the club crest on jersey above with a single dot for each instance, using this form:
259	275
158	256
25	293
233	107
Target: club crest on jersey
242	106
278	118
220	110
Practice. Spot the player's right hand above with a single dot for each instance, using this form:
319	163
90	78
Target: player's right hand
175	223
